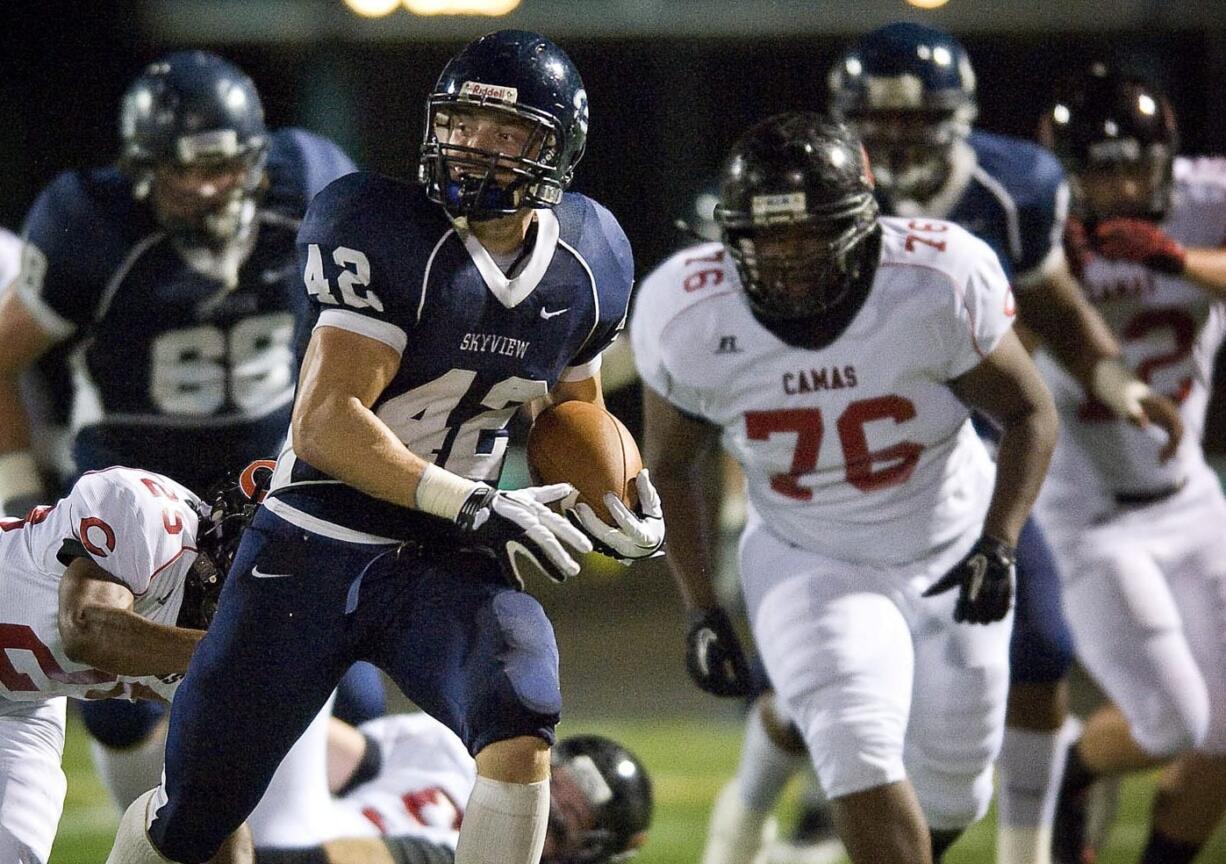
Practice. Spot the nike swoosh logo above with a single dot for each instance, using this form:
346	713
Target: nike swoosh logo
255	571
546	314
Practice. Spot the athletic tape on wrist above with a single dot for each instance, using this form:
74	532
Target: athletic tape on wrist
442	493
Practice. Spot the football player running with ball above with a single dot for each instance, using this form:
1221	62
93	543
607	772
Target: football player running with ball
444	306
837	356
1140	540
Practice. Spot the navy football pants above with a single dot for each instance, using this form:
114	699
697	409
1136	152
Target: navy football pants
296	611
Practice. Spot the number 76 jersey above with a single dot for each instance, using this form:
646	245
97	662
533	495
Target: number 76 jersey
859	450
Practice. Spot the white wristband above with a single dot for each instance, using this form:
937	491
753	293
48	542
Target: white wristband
18	476
442	493
1117	388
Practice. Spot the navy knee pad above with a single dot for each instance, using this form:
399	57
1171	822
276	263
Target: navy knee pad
120	724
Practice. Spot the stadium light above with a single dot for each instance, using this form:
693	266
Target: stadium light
460	7
372	8
927	4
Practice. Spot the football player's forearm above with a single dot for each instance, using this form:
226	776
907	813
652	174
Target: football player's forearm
1074	332
14	424
1207	268
344	439
1021	464
692	533
121	642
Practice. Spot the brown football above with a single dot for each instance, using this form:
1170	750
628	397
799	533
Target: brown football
584	445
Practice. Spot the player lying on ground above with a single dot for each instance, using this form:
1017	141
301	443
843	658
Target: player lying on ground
401	784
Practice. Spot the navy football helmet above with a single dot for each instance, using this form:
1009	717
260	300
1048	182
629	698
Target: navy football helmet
518	78
798	216
909	92
1117	138
615	789
192	132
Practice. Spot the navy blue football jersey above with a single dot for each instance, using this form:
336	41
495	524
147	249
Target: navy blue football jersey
173	371
1011	194
378	258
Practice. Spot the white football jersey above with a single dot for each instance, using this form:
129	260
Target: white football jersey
425	781
10	257
137	526
860	450
1169	330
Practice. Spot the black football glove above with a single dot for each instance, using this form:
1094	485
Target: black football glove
713	655
518	527
984	579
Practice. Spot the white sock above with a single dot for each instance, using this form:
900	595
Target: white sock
128	772
765	768
504	823
132	844
1030	767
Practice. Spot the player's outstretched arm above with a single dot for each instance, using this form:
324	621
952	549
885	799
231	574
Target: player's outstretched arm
99	628
22	341
1057	310
683	455
1006	387
1142	241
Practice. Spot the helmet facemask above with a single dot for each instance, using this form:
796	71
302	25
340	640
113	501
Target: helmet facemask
1130	184
477	183
911	152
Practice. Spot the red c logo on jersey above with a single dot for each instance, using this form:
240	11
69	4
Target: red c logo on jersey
108	536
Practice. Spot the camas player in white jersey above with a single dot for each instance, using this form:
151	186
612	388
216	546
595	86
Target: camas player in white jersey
401	783
835	354
1141	539
105	595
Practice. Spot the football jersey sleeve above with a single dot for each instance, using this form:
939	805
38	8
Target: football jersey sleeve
1041	219
54	282
983	309
132	524
613	271
658	301
349	269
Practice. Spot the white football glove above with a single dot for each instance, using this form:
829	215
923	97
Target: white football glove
636	535
518	526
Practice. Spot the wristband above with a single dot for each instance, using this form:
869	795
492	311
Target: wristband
19	476
442	493
1117	388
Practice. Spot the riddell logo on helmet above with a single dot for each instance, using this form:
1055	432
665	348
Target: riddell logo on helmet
496	92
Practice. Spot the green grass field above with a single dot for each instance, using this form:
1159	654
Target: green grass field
689	760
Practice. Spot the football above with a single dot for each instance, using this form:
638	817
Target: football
584	445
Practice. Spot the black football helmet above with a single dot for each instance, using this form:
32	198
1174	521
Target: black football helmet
228	510
798	216
194	110
618	792
1117	139
526	77
909	93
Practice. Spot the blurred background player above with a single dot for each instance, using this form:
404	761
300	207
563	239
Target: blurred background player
868	487
106	594
401	782
1140	539
446	305
171	282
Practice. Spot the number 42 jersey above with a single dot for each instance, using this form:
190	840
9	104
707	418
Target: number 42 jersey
381	260
860	450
